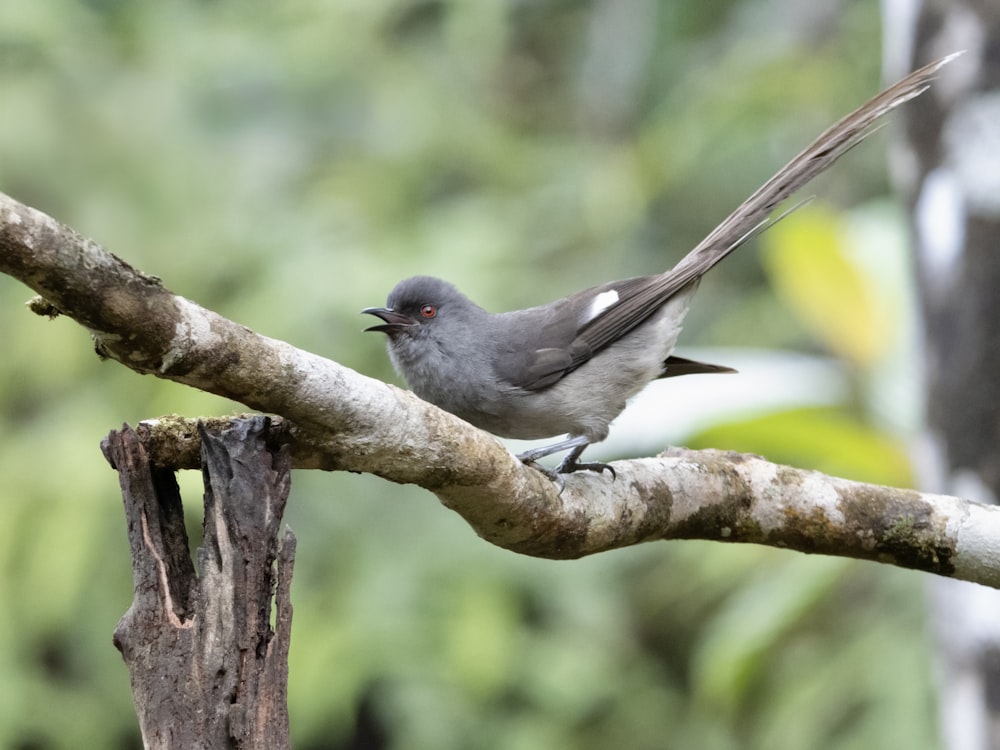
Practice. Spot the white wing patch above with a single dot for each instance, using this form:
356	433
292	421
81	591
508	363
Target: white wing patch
601	302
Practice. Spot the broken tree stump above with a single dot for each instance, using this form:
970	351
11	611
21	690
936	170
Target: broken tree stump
206	667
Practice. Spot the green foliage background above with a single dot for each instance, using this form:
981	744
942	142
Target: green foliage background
285	164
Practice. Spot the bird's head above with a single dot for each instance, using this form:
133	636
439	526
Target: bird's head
419	306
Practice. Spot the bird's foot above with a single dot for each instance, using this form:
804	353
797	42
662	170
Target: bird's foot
570	464
558	475
576	446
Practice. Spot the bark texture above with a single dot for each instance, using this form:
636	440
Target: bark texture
207	669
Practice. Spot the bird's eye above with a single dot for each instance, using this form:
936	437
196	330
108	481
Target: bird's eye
428	311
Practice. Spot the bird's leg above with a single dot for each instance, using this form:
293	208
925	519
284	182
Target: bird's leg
529	457
575	446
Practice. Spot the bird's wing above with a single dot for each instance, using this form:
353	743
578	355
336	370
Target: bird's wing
548	342
542	343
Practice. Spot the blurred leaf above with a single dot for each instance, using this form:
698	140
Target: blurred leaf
805	260
735	641
827	440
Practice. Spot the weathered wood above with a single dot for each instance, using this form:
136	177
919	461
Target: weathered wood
207	669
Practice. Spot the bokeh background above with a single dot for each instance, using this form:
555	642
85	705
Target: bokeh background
285	164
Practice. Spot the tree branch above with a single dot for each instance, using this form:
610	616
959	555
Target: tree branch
686	494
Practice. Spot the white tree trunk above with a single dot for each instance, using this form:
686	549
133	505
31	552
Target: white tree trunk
948	166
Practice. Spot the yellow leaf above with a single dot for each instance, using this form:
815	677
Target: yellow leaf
805	260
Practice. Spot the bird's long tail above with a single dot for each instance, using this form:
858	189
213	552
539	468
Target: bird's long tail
752	216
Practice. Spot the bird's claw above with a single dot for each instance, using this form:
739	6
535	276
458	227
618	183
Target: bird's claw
558	475
568	467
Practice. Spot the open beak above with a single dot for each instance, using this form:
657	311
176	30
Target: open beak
394	321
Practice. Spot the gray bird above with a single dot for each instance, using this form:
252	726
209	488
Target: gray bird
570	366
563	368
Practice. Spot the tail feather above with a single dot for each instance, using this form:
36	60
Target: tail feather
751	217
675	366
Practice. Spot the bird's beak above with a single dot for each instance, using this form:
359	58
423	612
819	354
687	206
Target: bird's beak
394	321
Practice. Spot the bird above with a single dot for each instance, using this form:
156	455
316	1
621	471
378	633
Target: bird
567	367
570	366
